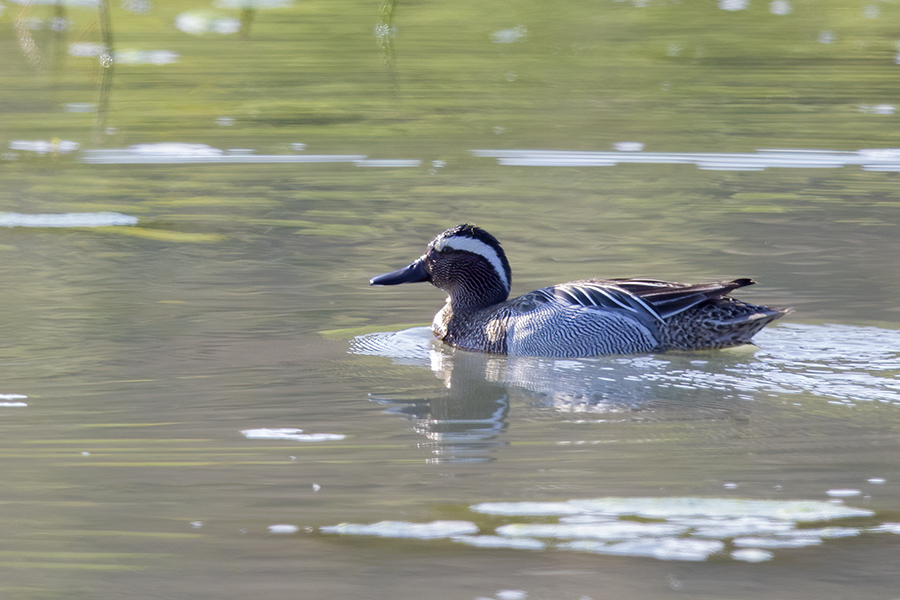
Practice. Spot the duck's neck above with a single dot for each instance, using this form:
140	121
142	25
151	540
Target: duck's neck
475	295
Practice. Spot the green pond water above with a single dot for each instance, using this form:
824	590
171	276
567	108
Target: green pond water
194	197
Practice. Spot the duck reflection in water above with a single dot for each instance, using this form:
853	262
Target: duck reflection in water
467	421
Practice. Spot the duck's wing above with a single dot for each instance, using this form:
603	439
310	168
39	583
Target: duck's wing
642	298
600	295
669	298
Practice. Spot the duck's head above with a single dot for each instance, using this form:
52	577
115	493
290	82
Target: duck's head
466	261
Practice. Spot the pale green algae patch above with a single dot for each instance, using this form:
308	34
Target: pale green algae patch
683	529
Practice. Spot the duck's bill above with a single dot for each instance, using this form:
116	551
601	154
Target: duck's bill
412	273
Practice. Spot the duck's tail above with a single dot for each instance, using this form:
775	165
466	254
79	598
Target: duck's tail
719	323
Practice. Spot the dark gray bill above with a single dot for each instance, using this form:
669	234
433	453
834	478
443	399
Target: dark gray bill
412	273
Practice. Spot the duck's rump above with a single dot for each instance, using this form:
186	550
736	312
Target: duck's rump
702	315
717	323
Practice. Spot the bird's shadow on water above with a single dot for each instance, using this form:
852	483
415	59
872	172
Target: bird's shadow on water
836	364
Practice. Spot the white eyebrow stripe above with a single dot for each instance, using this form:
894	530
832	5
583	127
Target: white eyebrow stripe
478	247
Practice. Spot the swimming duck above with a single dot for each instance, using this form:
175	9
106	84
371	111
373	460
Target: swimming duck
591	317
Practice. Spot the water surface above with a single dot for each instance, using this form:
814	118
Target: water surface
202	397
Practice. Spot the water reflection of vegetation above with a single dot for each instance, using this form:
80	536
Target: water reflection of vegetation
106	64
676	76
385	32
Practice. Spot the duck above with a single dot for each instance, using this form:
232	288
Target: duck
578	319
